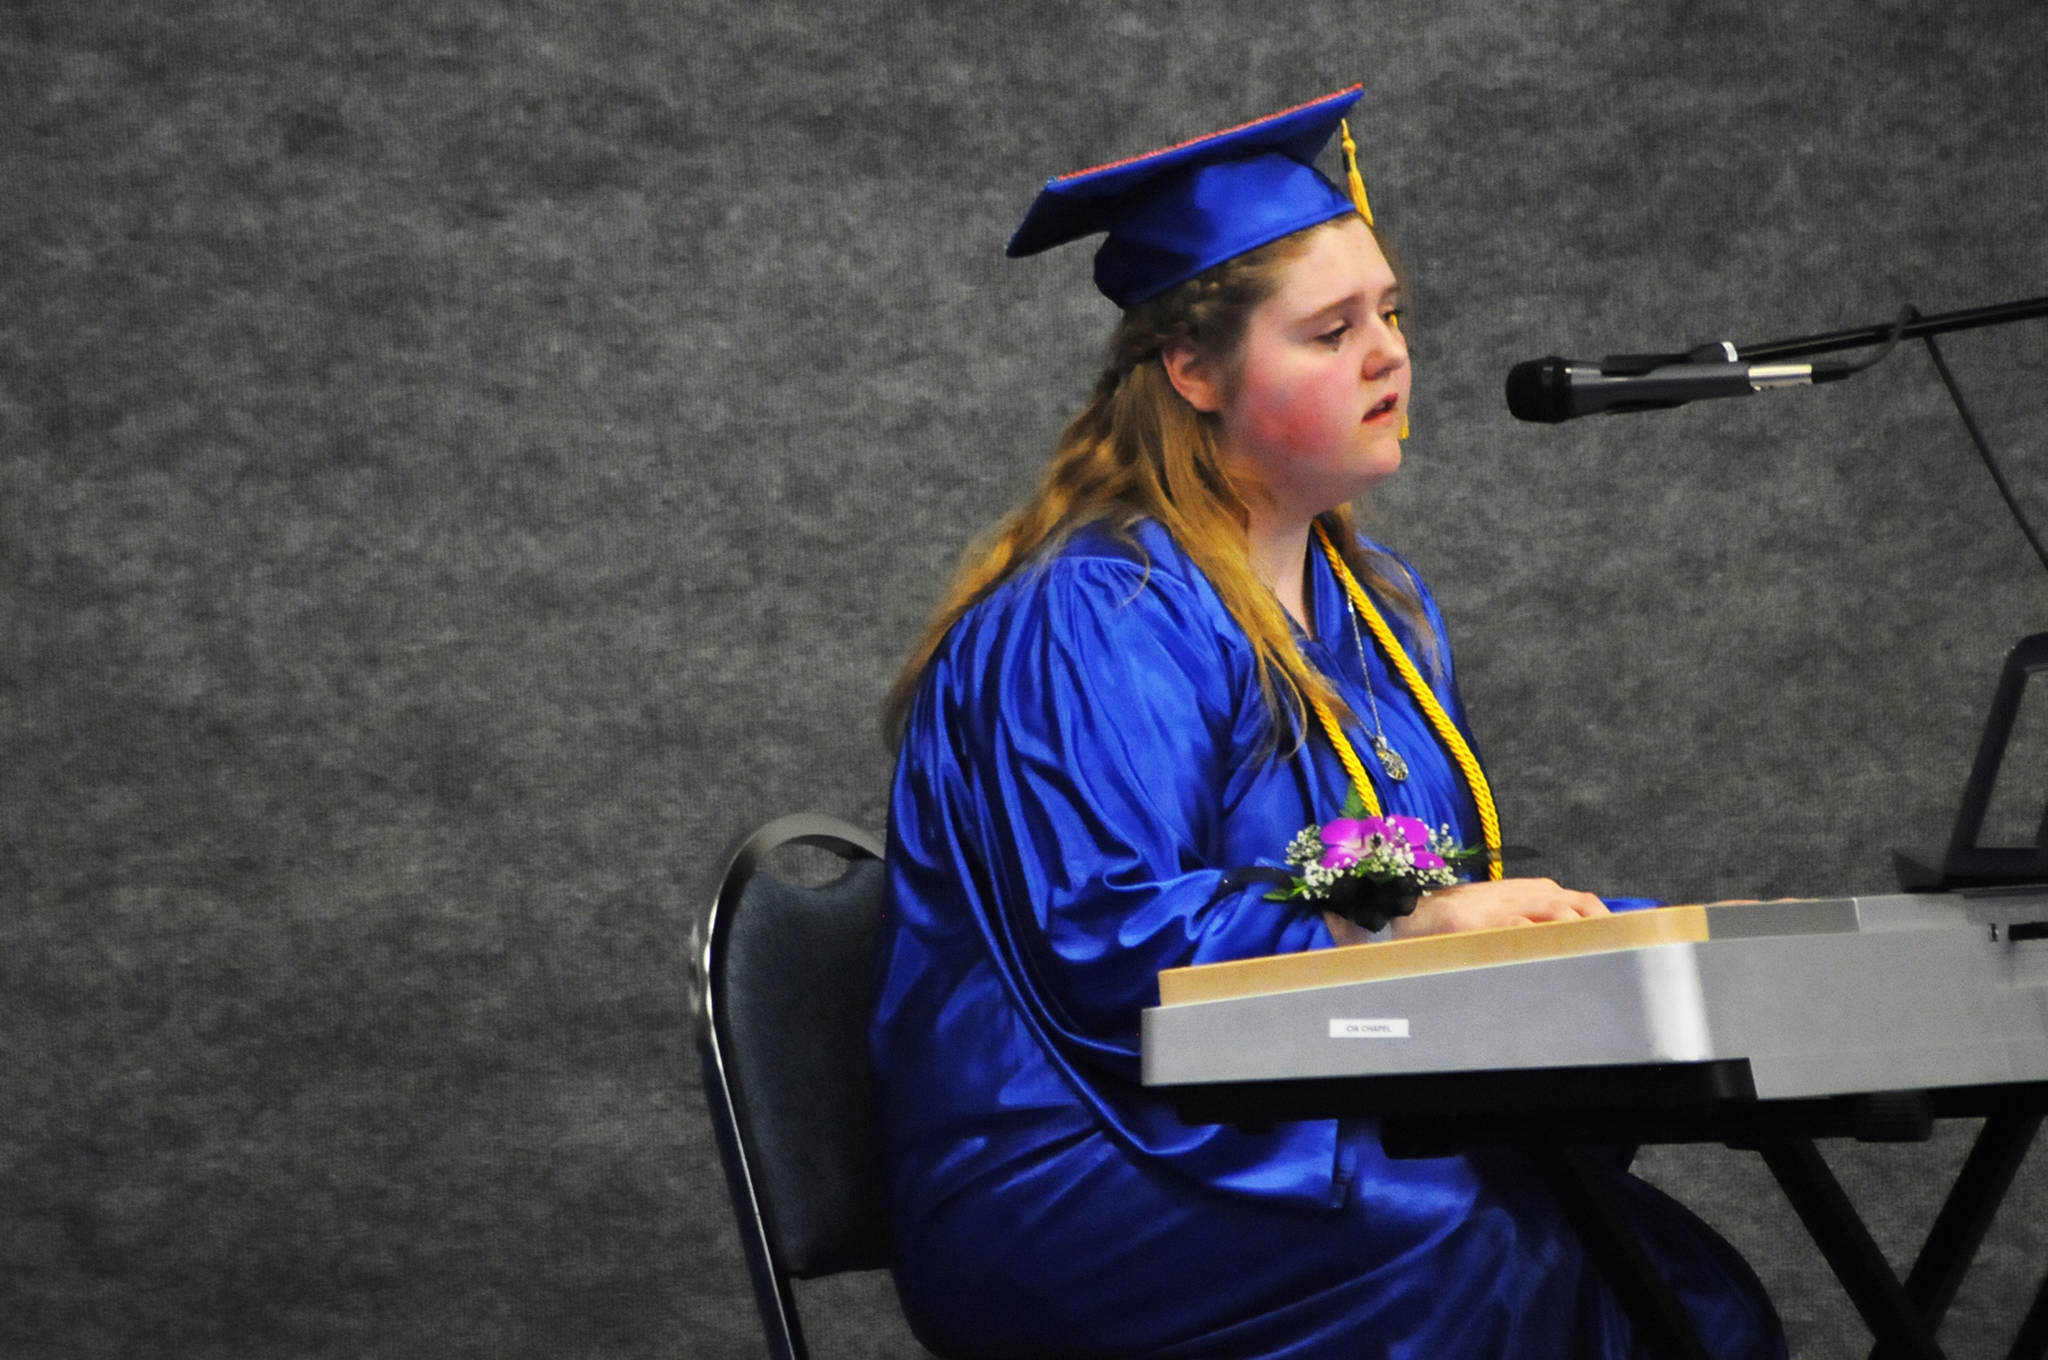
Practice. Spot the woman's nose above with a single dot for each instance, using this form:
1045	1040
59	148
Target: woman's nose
1388	350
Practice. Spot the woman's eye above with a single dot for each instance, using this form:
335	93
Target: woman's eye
1393	318
1335	335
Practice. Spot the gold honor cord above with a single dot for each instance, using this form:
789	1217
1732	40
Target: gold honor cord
1446	731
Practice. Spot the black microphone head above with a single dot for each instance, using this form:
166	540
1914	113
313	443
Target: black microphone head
1537	390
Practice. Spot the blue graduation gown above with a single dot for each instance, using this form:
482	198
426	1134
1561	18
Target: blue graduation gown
1088	754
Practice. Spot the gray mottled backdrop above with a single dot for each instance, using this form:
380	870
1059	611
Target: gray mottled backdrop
463	462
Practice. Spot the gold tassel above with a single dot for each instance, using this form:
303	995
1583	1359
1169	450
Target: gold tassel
1395	322
1357	181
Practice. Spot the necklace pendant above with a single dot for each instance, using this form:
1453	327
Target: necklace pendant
1390	759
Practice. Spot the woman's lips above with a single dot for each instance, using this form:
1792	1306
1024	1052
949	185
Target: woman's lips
1382	408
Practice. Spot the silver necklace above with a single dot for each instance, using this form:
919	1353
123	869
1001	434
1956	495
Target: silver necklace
1390	759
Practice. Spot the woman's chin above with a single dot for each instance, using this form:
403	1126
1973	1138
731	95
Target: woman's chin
1383	460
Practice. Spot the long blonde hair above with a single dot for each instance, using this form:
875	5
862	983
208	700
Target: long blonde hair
1137	451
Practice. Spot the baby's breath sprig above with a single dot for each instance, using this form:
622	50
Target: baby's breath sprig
1371	869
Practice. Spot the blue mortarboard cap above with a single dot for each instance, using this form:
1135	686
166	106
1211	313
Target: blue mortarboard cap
1172	213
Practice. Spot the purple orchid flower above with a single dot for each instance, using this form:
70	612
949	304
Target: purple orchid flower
1348	840
1407	829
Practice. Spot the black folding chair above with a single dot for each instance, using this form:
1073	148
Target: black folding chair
788	989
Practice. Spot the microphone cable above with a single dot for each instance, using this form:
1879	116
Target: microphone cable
1907	315
1955	394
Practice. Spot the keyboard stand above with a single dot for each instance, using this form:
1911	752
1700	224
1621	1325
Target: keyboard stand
1426	1117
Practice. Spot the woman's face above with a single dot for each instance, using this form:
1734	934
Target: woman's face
1311	409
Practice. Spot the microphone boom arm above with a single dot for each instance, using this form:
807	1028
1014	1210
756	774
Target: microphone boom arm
2001	314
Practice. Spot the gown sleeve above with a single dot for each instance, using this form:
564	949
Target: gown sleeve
1097	732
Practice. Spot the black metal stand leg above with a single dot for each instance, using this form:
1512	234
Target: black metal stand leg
1835	1228
1602	1224
2032	1341
1966	1216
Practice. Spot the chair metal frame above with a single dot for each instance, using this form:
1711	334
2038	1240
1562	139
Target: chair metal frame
766	1264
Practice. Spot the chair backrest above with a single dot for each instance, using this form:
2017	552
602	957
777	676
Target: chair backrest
788	990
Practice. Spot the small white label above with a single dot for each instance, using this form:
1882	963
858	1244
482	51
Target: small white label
1369	1029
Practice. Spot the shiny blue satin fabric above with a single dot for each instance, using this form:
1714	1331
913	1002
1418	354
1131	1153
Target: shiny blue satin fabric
1088	755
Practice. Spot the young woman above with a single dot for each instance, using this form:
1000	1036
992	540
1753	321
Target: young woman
1156	672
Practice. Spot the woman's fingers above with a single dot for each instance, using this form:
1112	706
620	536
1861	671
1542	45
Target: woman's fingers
1585	904
1502	902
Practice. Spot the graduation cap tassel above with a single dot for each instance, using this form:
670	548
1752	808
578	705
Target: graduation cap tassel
1357	185
1353	178
1395	320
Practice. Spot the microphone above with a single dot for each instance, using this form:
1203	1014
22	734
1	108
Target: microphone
1553	389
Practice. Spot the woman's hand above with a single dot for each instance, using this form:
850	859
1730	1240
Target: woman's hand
1500	902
